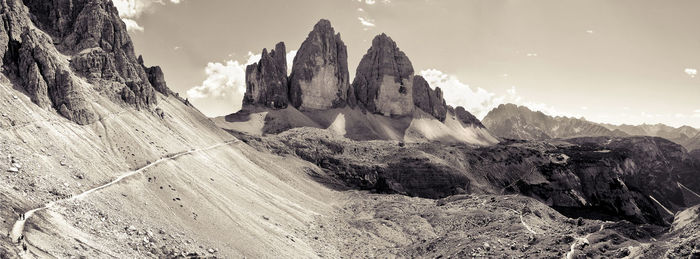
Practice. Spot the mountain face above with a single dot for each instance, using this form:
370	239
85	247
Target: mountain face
384	79
94	37
320	78
430	100
519	122
266	80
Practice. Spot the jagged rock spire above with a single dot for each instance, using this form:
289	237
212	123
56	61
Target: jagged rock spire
266	80
319	78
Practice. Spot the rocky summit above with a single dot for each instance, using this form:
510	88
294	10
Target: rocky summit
266	80
319	78
384	79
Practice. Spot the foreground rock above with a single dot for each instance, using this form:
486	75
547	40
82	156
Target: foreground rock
266	80
319	78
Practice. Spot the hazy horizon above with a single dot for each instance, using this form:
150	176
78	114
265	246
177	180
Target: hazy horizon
619	62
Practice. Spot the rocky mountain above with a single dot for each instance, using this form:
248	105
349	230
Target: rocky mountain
686	136
36	38
385	101
319	78
384	79
138	173
519	122
266	80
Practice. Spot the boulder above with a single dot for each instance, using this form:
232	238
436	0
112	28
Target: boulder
319	78
266	80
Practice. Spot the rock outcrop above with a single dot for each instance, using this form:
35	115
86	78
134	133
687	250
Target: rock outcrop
37	36
156	78
47	81
266	80
429	100
465	117
384	79
319	78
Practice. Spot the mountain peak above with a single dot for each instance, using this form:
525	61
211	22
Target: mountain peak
91	33
320	78
383	81
266	80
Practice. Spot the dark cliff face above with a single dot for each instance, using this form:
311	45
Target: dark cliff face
383	62
266	80
429	100
100	50
319	78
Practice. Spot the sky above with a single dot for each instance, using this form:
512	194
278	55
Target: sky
622	61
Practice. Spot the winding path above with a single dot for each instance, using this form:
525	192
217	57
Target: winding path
18	227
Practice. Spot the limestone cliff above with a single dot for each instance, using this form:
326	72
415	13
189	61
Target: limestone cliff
319	78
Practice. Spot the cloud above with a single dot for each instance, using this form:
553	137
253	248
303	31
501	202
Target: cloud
371	2
366	22
477	101
130	10
226	81
692	72
480	101
131	25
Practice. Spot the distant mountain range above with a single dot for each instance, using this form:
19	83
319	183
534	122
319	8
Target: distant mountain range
519	122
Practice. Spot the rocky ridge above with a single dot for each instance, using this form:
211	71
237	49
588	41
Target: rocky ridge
39	34
384	83
519	122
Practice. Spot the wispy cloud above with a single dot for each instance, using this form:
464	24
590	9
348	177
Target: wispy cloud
366	22
480	101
